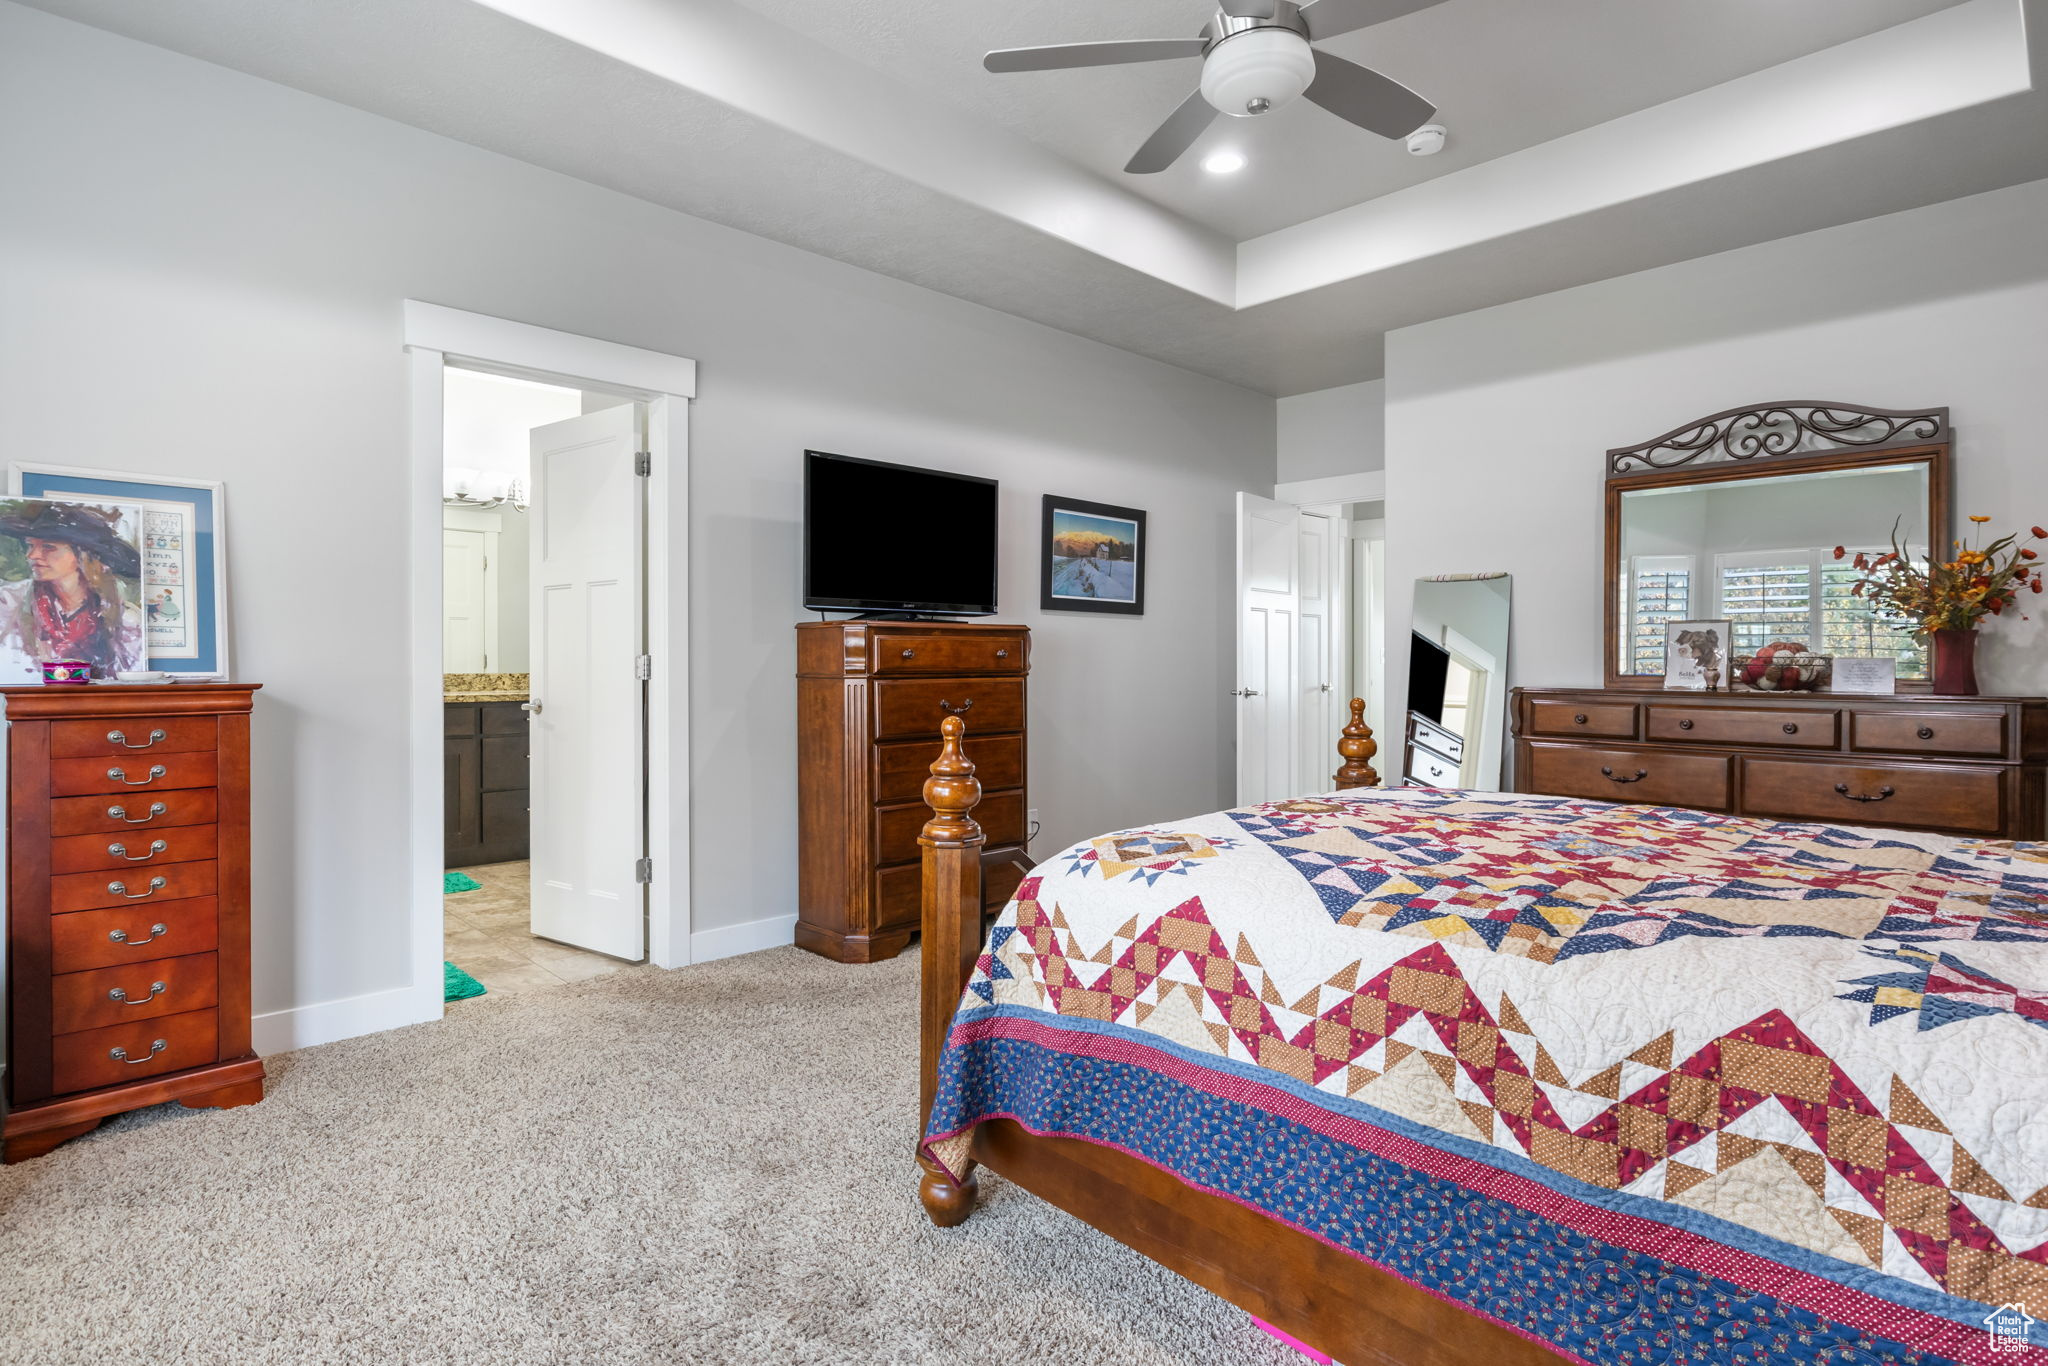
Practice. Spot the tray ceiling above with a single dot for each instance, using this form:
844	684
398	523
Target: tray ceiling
1589	138
1504	74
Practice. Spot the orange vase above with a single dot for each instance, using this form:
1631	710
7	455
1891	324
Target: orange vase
1955	662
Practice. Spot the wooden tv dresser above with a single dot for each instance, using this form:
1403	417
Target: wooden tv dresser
128	905
870	697
1913	761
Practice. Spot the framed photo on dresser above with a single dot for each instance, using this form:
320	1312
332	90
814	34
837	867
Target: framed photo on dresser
1092	557
184	557
1696	655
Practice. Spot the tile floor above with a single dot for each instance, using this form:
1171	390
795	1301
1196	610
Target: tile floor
485	934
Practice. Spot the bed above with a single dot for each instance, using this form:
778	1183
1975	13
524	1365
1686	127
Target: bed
1427	1076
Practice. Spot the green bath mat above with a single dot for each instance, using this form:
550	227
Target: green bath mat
457	985
459	882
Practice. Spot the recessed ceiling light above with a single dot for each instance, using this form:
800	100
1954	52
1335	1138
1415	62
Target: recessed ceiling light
1223	163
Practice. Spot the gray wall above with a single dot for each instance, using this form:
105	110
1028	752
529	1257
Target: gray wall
1497	420
203	275
1333	431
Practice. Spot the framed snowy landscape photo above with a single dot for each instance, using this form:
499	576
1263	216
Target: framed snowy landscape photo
1094	558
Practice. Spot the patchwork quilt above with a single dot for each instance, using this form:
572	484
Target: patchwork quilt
1643	1084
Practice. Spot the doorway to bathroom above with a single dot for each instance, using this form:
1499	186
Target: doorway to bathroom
542	577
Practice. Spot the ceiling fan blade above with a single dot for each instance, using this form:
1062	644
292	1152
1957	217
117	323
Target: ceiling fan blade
1066	55
1328	18
1175	136
1376	103
1250	9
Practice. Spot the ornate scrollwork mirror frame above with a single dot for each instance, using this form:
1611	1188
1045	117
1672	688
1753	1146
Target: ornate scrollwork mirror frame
1765	441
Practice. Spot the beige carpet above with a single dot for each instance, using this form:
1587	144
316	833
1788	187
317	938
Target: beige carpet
707	1165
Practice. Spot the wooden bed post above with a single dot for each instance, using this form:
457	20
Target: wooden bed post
952	938
1357	747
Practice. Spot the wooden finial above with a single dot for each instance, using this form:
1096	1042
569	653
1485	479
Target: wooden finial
951	930
952	791
1357	747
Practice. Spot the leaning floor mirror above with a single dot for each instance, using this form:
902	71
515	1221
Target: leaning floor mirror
1458	682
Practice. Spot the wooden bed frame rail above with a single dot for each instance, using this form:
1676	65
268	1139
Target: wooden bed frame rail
1299	1284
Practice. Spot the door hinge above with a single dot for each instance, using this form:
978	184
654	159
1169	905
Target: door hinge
643	666
643	870
643	462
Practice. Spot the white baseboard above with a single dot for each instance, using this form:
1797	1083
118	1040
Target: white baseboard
729	940
281	1031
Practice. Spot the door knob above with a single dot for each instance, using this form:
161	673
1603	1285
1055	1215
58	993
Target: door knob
530	708
1244	692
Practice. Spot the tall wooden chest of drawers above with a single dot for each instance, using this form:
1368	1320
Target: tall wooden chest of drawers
870	697
1958	765
128	905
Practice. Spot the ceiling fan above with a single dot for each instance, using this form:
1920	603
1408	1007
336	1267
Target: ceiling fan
1255	58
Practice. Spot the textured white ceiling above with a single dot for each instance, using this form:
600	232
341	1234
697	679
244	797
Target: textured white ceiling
1505	74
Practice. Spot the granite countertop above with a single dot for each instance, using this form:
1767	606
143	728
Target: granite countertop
484	687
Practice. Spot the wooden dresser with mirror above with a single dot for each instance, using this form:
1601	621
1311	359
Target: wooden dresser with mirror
1732	522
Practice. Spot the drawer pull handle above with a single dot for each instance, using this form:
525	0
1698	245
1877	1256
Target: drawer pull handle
121	776
156	989
155	847
1882	793
156	932
1791	728
952	710
1579	720
120	813
1686	724
119	1054
910	654
1925	732
115	737
1002	654
1641	774
156	884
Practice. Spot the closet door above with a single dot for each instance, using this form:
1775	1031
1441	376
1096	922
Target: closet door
1268	648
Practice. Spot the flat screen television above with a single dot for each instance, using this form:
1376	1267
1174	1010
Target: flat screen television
1429	669
894	538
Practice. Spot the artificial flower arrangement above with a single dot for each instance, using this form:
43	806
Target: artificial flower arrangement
1945	599
1950	595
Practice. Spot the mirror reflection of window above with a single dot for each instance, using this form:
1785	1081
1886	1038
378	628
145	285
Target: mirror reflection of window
1660	590
1759	552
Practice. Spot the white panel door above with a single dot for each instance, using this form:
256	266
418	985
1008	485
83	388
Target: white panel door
1321	715
462	602
1268	659
588	729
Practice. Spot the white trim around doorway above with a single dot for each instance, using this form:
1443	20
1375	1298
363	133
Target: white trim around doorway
436	337
1370	486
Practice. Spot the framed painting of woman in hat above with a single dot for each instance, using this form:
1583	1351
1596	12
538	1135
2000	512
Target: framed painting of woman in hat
70	586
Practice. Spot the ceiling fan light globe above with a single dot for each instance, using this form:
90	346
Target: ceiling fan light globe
1257	70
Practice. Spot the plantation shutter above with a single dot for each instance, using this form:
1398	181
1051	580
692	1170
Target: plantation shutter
1852	625
1660	591
1768	597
